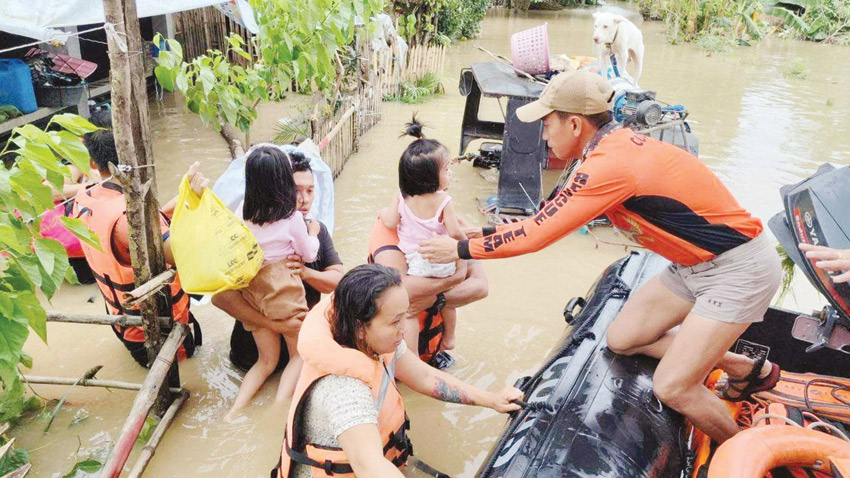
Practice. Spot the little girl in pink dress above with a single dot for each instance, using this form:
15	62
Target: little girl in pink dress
423	209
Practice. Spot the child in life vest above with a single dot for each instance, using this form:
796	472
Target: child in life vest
423	209
271	213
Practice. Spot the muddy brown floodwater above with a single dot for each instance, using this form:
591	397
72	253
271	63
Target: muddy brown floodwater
758	130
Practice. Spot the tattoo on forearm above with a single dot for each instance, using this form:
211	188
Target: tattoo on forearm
447	393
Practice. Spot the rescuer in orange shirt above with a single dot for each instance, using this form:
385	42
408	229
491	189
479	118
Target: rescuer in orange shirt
723	272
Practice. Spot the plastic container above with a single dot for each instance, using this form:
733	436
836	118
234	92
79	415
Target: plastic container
530	50
54	96
16	85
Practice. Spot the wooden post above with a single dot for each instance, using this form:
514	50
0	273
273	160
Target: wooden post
131	127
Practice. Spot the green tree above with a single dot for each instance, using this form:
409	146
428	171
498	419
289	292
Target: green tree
29	262
299	41
300	45
215	89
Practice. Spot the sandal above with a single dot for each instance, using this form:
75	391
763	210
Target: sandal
752	382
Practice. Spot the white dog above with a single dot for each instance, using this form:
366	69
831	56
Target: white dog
616	36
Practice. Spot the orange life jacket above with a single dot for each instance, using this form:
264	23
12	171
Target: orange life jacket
430	320
323	356
430	333
100	207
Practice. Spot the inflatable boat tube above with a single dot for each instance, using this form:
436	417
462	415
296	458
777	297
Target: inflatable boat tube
755	451
592	413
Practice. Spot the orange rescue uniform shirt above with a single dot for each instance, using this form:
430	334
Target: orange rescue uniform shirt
657	194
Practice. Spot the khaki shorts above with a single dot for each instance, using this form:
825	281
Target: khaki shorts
736	286
276	293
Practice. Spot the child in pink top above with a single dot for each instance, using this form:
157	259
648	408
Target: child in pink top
270	212
423	210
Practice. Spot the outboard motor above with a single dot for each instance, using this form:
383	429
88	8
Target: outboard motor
816	213
638	109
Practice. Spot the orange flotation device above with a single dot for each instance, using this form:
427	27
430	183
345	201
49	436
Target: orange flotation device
323	356
840	467
755	451
100	207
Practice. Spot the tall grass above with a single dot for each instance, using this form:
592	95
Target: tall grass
687	20
825	21
749	20
418	91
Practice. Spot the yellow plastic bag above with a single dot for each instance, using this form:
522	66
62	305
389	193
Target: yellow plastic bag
213	250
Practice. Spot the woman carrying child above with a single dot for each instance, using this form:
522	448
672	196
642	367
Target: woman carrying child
423	209
270	212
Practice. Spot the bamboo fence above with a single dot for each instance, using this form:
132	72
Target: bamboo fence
341	145
207	28
389	73
421	60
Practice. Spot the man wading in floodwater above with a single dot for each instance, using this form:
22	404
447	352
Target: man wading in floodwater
724	271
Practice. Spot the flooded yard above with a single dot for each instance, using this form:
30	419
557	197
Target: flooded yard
758	129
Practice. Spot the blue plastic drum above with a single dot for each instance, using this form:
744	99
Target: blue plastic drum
16	85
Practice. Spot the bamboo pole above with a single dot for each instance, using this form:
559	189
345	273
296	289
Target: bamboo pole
103	319
149	288
148	394
205	20
5	449
20	472
131	126
150	448
117	385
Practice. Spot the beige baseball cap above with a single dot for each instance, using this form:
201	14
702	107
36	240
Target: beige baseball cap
579	92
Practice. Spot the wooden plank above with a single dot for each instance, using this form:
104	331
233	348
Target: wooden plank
36	115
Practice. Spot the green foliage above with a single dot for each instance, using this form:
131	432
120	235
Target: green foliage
29	262
716	43
215	89
461	19
687	20
420	90
299	45
8	112
151	422
817	20
440	21
289	130
787	274
744	20
797	69
14	459
84	468
299	41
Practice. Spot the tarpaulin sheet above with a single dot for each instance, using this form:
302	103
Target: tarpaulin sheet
40	19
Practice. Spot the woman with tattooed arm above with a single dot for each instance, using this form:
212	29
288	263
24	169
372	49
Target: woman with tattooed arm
347	417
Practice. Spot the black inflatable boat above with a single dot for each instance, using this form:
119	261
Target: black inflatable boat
593	414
